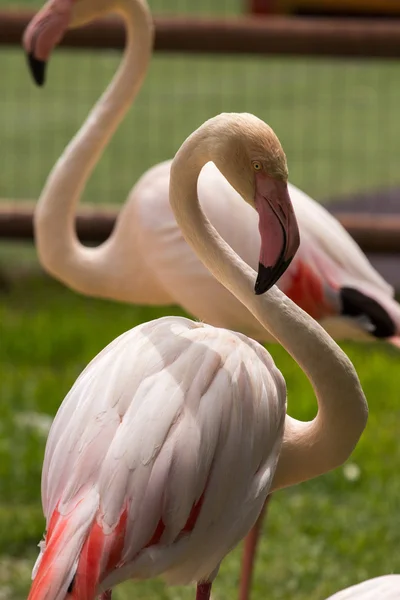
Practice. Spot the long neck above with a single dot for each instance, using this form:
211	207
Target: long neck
58	247
309	448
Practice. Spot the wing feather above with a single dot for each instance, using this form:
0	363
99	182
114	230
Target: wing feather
177	426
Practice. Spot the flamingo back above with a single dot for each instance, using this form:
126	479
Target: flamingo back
167	443
327	261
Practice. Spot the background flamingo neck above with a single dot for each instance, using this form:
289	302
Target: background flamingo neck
58	247
309	449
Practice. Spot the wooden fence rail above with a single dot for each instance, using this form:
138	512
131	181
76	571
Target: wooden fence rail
361	38
374	233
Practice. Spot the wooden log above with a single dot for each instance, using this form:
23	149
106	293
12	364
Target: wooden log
93	223
374	233
346	8
362	38
378	234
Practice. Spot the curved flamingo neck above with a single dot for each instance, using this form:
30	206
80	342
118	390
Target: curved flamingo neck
57	244
309	448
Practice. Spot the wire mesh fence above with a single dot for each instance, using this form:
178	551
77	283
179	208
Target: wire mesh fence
165	7
337	118
203	8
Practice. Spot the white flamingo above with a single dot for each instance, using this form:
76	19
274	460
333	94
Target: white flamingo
105	268
386	587
146	260
162	454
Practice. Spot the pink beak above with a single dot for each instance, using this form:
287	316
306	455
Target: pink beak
280	238
43	33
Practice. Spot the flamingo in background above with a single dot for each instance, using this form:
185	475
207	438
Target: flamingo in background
146	260
386	587
161	456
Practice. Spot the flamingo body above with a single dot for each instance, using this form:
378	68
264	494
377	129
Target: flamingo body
386	587
159	459
177	437
148	261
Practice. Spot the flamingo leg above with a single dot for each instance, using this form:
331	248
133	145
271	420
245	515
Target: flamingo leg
249	554
203	591
105	595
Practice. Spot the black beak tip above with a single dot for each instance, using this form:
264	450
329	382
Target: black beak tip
265	280
268	276
37	68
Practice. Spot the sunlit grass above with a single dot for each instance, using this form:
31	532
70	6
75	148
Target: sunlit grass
320	536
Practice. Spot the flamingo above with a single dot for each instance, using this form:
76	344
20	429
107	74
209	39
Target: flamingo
162	454
386	587
146	260
120	267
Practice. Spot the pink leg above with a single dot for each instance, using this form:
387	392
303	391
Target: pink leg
203	591
105	595
249	554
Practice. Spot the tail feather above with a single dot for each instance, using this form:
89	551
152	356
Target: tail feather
101	554
87	575
78	554
57	564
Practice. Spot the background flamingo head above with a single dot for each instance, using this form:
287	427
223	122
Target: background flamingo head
43	33
48	26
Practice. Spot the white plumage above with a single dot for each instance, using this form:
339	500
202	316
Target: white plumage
148	261
169	411
162	455
386	587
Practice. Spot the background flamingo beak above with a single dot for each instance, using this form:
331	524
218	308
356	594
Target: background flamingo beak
37	68
278	228
43	33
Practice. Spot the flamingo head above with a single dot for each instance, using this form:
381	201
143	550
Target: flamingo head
250	156
48	26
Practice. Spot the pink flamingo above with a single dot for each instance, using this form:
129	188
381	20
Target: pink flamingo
139	261
146	260
162	455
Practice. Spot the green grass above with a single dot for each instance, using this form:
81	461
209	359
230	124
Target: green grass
320	536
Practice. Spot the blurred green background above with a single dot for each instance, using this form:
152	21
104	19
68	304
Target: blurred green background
338	124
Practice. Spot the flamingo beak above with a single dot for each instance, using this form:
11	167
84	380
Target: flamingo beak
43	33
278	228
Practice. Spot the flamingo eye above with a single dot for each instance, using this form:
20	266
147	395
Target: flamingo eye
256	164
